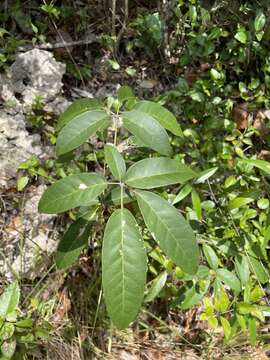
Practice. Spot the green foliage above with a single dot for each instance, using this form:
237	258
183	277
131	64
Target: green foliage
151	31
123	267
18	332
216	60
124	263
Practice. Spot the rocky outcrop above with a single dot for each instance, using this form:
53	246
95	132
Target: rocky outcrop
27	237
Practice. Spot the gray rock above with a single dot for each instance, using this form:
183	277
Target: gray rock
16	146
37	73
28	239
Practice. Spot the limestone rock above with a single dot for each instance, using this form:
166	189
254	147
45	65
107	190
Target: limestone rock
37	73
28	238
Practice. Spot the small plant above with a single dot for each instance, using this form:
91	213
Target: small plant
124	259
19	333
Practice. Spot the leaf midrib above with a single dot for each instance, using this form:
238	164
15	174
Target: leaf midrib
123	262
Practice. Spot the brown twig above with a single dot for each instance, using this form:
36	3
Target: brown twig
58	45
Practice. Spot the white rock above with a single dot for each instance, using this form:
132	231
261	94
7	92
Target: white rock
37	73
28	240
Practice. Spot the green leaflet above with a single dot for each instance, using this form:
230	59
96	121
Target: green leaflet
161	114
79	129
70	192
260	164
123	268
184	192
8	348
193	295
259	270
125	94
196	202
156	172
205	175
230	279
115	161
115	197
211	256
72	244
77	107
9	300
148	131
242	268
169	228
157	285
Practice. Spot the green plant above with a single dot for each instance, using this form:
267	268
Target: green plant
124	261
19	333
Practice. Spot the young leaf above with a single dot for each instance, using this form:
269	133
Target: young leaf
79	129
260	164
210	256
260	21
161	114
77	107
169	228
9	300
192	296
221	299
226	327
6	331
115	196
72	244
156	172
157	285
125	94
22	182
8	348
229	279
115	161
148	131
196	202
259	270
70	192
252	331
239	202
204	175
184	192
242	268
123	268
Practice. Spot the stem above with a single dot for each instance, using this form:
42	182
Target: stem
122	195
113	18
96	314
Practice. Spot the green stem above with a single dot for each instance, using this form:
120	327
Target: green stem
122	195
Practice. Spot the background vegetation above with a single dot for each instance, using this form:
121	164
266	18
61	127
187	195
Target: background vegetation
209	63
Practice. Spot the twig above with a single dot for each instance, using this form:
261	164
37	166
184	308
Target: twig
58	45
113	18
